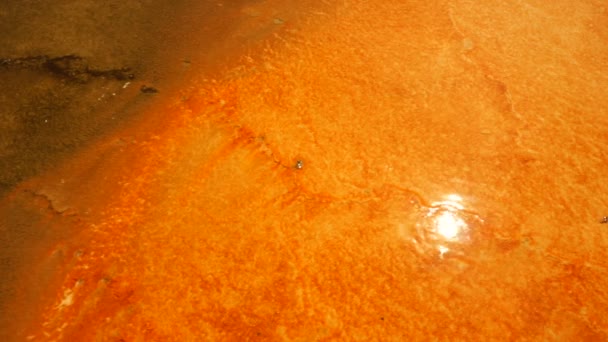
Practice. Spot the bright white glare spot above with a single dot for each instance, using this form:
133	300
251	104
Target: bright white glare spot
449	225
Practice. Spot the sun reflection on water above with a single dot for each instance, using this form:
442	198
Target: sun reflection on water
445	224
448	225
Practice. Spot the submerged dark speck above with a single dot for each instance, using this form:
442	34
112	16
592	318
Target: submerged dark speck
148	90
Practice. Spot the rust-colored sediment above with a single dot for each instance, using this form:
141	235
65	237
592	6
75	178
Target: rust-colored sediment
453	179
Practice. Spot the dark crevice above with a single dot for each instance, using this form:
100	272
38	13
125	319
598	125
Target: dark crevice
70	67
48	201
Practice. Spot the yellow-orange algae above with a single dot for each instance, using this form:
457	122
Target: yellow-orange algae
214	234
